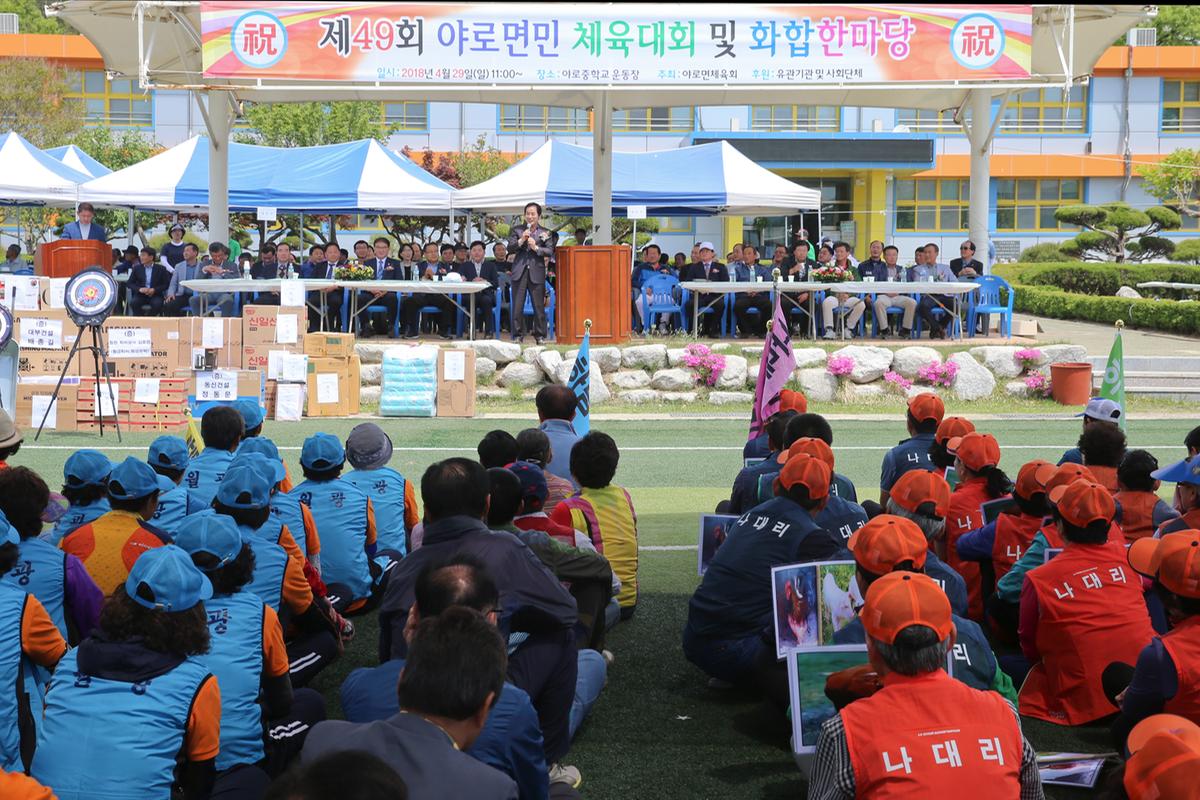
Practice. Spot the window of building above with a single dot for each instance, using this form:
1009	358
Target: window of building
1181	106
1029	205
927	119
105	102
674	224
796	118
544	119
407	115
654	119
1046	111
929	204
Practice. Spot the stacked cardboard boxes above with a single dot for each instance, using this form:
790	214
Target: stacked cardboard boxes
137	404
268	333
334	375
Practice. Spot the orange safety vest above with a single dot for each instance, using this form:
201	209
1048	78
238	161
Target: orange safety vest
965	516
1183	645
1014	532
1106	477
1137	514
932	736
1189	521
1091	613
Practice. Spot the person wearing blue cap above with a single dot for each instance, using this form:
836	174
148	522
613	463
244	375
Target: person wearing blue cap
253	415
249	659
1186	477
221	428
345	520
1098	410
169	457
296	517
133	712
58	580
85	486
26	633
109	546
368	449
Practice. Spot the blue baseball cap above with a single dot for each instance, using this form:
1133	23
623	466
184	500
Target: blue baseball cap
272	468
173	581
533	480
212	533
170	452
322	451
132	480
261	445
245	485
86	468
252	413
8	534
1186	471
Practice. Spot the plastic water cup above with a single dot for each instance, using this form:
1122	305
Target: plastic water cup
758	279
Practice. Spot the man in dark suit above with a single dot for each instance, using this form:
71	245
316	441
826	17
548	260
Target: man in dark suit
83	227
267	268
148	283
707	268
386	269
966	262
532	244
476	270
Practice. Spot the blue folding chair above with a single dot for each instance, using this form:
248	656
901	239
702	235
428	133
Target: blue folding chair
953	323
987	301
686	301
890	311
840	312
660	300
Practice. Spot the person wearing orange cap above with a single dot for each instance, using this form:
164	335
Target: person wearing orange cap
840	517
923	498
1142	510
1167	675
924	414
805	426
729	631
1079	612
1003	540
923	734
745	486
980	479
889	543
950	428
1164	759
789	400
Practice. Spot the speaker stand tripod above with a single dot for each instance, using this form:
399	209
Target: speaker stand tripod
100	361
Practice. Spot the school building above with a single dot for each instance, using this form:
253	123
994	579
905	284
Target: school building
894	174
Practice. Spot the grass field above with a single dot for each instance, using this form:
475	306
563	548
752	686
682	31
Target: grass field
658	731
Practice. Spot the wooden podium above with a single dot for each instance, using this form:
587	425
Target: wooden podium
593	283
66	257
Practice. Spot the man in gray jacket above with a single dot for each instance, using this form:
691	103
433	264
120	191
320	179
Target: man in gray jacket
532	245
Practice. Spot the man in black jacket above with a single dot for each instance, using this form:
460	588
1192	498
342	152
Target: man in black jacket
966	266
706	268
386	269
148	283
532	244
476	270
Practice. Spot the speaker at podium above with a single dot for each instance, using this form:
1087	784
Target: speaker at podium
68	257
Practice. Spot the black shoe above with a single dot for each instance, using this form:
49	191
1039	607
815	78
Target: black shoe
411	335
905	333
446	335
537	340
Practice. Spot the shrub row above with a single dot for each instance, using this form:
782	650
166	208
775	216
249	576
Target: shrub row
1158	315
1102	280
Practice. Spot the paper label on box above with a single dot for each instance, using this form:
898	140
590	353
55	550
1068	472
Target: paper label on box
286	329
40	403
107	400
172	336
213	334
292	367
289	402
273	358
291	293
216	386
130	342
41	334
26	293
455	368
58	292
327	387
145	390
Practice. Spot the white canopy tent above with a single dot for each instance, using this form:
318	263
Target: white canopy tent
29	176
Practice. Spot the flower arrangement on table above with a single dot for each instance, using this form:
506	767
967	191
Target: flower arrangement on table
831	274
707	365
353	273
938	374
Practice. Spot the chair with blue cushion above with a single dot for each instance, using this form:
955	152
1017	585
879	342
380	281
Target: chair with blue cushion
987	301
686	301
661	299
952	324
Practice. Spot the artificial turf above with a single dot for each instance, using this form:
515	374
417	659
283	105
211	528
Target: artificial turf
658	731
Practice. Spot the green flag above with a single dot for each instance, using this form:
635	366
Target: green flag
1113	387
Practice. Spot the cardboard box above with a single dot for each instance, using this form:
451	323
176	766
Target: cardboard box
327	382
30	329
257	356
165	415
329	345
164	346
246	384
353	388
260	324
50	362
66	407
191	337
456	398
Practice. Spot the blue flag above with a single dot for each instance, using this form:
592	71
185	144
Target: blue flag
581	384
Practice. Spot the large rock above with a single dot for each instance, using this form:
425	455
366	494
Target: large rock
918	388
729	398
734	374
909	360
809	357
500	352
598	392
629	379
369	395
518	373
870	391
675	379
485	368
678	397
609	358
1062	354
530	354
640	396
752	374
1016	389
998	359
973	381
1129	293
754	351
818	385
646	356
491	393
548	361
371	374
370	352
675	356
870	362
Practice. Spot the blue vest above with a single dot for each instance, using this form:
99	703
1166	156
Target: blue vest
340	511
286	508
172	508
203	474
104	738
974	661
77	516
235	622
951	582
908	455
12	676
841	517
385	487
270	562
41	570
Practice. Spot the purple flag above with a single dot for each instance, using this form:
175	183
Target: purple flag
774	370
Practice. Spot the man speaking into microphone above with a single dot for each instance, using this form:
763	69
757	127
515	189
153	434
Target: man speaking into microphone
532	244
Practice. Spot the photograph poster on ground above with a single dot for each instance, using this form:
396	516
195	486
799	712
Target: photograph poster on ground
812	602
807	674
1081	770
713	530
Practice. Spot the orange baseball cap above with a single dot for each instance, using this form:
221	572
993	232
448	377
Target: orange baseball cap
888	540
793	401
1053	477
803	469
951	427
1027	479
1174	560
900	600
975	450
1164	760
917	487
926	405
1083	502
813	447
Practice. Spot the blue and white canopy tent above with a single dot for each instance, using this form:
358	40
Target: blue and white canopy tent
29	176
79	160
702	180
360	176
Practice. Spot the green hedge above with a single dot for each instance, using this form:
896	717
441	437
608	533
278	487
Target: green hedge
1102	280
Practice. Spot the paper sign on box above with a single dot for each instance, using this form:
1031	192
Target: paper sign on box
41	334
293	368
455	368
291	293
130	342
216	386
58	292
145	390
40	403
286	329
289	402
327	388
107	402
213	333
26	293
